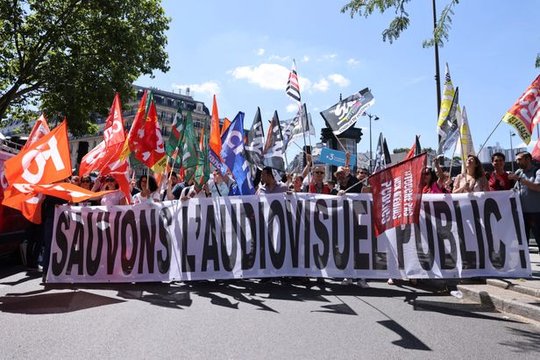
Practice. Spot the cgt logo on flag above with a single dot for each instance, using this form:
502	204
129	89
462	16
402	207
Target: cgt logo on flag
397	194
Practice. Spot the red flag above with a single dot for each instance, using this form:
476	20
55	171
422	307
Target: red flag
397	194
415	149
145	140
107	150
114	132
117	168
40	129
94	159
536	151
44	162
215	138
525	113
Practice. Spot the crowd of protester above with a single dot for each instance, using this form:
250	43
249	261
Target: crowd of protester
313	179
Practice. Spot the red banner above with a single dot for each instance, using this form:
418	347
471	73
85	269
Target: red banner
397	194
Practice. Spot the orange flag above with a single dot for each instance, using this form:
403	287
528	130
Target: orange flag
225	126
44	162
40	129
215	138
27	198
21	197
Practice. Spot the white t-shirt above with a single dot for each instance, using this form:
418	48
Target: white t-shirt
113	198
138	199
191	193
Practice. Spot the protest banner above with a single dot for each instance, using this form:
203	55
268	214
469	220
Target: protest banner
461	235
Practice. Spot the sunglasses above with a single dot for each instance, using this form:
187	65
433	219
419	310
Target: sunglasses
319	172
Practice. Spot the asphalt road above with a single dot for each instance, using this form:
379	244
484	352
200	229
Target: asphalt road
249	320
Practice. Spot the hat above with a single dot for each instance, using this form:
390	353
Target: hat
340	169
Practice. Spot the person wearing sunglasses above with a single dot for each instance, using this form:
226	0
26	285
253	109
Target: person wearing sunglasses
116	197
317	185
86	183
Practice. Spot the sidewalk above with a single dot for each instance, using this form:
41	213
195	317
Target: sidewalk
514	296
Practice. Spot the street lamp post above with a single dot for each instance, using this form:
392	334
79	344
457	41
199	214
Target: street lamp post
512	149
375	118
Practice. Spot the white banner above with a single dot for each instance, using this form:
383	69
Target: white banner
460	235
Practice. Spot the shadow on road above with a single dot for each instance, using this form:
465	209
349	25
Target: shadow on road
529	341
53	303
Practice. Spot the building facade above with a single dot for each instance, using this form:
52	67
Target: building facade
167	105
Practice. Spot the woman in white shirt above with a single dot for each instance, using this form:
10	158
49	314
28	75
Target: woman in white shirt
473	179
114	198
149	187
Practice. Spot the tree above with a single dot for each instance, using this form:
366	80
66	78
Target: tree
400	23
400	150
69	57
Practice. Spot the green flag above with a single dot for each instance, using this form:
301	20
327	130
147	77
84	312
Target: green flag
177	132
202	174
187	148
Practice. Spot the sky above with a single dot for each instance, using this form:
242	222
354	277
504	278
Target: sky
242	51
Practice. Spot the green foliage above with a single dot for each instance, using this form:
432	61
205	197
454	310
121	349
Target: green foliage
400	23
400	150
69	57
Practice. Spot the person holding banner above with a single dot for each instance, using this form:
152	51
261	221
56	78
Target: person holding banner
116	197
269	184
473	179
347	183
218	185
527	179
434	182
148	186
297	181
498	179
87	183
47	217
317	185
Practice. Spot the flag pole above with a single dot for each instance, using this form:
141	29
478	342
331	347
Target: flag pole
302	110
452	160
481	147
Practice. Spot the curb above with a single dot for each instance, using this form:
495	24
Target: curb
487	296
509	285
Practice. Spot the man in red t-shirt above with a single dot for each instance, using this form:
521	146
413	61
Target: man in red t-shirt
498	179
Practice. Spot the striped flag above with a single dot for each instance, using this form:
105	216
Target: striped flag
293	87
